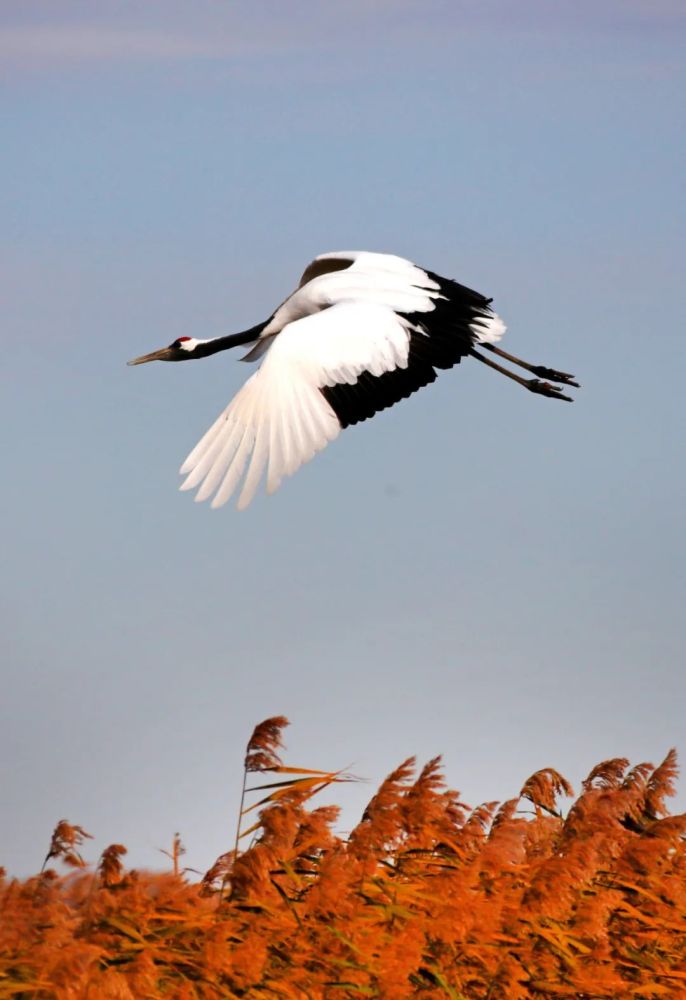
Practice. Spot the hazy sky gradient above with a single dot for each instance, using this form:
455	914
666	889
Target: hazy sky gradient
477	572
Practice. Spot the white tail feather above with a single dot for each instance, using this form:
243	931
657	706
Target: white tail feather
489	330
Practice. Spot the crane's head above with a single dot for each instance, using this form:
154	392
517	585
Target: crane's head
182	349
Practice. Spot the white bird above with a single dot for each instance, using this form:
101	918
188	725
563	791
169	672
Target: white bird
361	332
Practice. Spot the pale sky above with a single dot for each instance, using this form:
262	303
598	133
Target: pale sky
477	572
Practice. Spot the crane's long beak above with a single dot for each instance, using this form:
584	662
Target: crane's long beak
164	354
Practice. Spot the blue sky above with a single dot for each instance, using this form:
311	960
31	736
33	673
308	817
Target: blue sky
477	572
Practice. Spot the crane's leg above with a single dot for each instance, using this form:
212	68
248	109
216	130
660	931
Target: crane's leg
539	370
532	384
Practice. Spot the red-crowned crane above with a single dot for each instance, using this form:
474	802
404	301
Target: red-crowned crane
361	332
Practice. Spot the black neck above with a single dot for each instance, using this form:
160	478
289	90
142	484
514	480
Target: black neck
232	340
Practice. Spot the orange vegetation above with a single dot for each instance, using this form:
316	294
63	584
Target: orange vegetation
425	898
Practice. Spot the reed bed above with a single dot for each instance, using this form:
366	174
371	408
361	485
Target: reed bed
425	898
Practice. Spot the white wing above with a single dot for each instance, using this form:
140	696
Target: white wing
380	279
385	279
280	419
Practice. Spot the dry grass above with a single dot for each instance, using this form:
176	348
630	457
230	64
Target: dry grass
426	898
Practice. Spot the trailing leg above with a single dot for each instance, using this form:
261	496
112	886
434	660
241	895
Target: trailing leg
532	384
539	370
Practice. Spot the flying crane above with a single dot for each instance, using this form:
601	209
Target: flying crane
360	332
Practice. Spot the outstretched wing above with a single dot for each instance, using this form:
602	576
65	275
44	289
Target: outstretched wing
282	416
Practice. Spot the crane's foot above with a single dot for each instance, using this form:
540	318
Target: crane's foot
546	389
550	373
